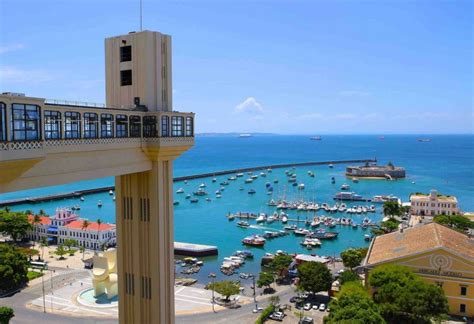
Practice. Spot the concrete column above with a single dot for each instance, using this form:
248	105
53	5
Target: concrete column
145	245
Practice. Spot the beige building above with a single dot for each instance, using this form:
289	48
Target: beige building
433	204
135	137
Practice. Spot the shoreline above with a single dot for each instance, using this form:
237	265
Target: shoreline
79	193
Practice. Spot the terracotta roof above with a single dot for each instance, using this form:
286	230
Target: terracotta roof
417	240
45	220
93	226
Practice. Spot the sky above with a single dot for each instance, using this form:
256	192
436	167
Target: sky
281	66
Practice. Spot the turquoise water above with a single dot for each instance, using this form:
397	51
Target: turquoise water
445	163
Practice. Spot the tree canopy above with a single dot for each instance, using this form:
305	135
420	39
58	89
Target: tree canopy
353	305
392	208
314	277
404	297
6	314
13	268
348	275
280	263
351	258
14	224
458	222
265	279
226	288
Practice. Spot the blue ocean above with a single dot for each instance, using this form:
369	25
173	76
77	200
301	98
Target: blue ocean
445	163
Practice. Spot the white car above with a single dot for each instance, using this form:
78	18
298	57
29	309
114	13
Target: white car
315	307
257	310
322	307
307	307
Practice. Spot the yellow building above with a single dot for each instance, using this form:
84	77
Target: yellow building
436	253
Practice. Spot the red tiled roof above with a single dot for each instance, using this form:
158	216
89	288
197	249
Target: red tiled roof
93	226
45	220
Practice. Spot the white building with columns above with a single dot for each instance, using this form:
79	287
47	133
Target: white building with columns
433	204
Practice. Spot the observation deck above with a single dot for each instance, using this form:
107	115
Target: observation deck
47	142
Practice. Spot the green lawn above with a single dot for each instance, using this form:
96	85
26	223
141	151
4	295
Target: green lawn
33	275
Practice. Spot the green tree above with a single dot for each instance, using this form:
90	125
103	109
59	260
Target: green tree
348	275
6	314
274	300
457	222
61	252
391	208
265	279
13	268
403	297
41	212
14	224
226	288
280	264
43	243
70	243
353	305
82	249
351	258
314	277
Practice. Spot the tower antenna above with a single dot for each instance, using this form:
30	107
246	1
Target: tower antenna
141	16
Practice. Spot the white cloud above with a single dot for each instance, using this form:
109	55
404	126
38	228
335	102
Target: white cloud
10	48
345	116
310	116
249	105
354	93
14	75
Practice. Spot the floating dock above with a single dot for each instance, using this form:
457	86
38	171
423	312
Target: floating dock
196	250
79	193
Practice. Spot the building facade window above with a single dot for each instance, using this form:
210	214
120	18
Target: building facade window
25	122
3	119
463	290
72	124
121	126
106	125
165	126
176	126
91	125
135	126
126	53
189	126
149	126
462	308
52	125
126	77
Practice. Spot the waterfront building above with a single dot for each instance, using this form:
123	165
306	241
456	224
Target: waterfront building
438	254
376	171
433	204
65	224
134	137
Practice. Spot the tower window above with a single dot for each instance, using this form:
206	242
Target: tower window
126	53
463	291
126	77
462	308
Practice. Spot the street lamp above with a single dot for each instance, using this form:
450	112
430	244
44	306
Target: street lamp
254	295
212	276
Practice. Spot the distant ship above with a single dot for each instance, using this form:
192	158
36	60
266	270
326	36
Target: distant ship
316	138
424	140
245	135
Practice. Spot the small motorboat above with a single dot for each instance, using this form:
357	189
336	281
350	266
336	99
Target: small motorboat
202	185
248	180
194	200
275	181
113	198
111	192
241	188
180	191
99	203
218	196
367	237
251	191
82	198
214	180
188	196
301	186
284	219
345	186
208	199
176	202
291	227
331	165
244	224
261	218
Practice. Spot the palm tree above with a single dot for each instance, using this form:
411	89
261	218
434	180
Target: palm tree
85	225
99	222
43	244
41	212
36	222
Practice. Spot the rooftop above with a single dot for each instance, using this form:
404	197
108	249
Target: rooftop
45	220
419	239
422	196
311	258
93	226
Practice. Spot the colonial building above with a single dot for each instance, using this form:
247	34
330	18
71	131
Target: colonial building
438	254
67	225
433	204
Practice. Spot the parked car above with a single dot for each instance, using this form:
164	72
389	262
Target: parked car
294	299
277	316
315	307
322	307
257	310
307	307
306	320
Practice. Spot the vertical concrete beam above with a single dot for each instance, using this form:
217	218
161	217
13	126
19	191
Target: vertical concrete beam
145	244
